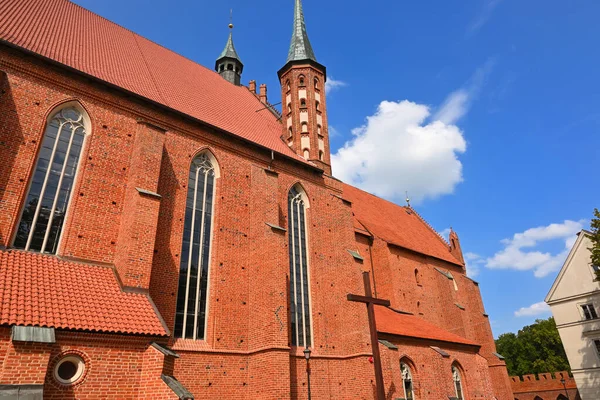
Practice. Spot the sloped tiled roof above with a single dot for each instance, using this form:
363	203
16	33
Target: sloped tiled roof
400	226
73	36
394	323
42	290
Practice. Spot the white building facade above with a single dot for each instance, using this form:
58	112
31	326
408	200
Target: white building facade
575	303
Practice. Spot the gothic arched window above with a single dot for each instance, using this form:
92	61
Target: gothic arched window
458	386
52	182
407	381
317	106
299	286
190	317
304	127
316	83
302	102
301	80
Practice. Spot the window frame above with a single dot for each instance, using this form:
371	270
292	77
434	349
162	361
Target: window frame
410	370
217	174
87	127
304	197
457	371
588	308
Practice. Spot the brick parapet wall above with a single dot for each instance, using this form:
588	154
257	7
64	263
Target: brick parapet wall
545	385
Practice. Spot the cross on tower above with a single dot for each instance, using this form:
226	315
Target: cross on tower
370	302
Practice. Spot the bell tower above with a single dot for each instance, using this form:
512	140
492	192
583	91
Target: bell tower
229	65
304	111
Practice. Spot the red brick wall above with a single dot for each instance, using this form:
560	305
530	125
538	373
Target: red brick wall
246	351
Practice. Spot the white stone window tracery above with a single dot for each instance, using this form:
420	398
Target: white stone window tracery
407	381
457	383
49	194
191	311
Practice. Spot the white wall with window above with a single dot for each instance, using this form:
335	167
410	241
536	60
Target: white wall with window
51	186
194	269
575	303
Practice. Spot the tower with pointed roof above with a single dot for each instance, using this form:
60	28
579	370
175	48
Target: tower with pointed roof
303	98
229	65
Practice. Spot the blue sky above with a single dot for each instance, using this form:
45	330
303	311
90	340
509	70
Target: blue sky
485	111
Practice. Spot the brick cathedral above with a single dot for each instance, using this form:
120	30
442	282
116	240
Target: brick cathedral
166	233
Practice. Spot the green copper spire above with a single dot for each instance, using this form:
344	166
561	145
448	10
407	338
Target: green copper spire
229	50
229	65
300	48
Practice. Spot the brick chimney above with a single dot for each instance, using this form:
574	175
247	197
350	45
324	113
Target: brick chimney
252	86
263	93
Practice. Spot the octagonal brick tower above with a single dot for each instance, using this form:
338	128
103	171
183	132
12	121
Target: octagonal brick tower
303	107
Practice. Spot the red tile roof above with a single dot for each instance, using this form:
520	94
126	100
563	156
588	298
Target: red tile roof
394	323
73	36
397	225
42	290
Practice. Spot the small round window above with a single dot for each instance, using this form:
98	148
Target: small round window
69	369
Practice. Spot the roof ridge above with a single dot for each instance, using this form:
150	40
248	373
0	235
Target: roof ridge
437	234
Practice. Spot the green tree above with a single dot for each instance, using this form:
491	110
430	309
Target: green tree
595	237
535	348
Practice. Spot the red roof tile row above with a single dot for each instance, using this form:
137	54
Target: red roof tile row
71	35
400	226
394	323
42	290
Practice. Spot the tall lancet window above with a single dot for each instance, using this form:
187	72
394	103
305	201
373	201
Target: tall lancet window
457	383
50	191
407	381
299	285
190	318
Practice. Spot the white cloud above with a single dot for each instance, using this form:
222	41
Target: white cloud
396	151
457	104
540	308
473	262
402	148
483	17
543	263
332	84
445	233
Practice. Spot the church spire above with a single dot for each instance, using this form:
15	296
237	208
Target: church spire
302	78
229	65
300	48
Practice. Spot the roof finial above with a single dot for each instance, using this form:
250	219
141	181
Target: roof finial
231	18
407	199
